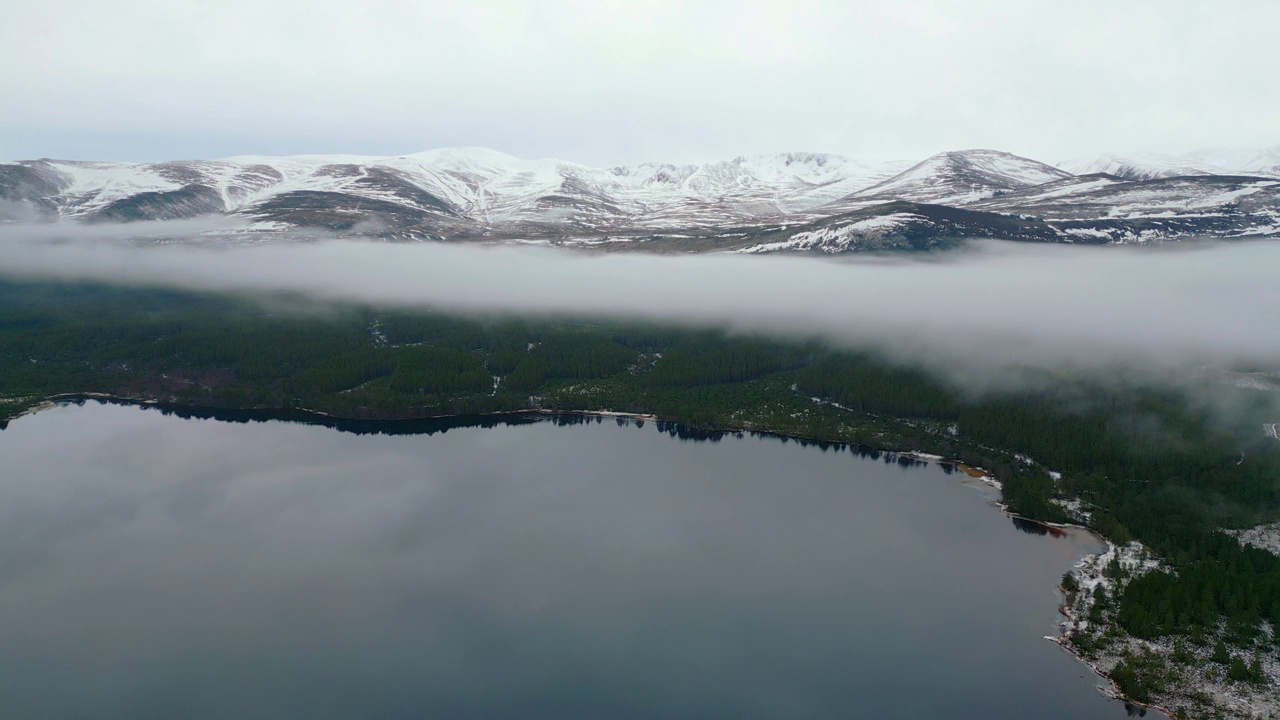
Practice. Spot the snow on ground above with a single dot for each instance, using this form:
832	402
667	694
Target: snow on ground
95	185
1272	228
1243	161
1024	170
1091	571
1143	166
1266	537
1088	233
1168	200
1065	188
493	186
835	238
1200	686
964	177
1075	508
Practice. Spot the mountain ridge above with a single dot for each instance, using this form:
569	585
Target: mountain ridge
746	203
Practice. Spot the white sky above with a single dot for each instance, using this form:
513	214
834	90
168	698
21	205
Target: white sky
611	82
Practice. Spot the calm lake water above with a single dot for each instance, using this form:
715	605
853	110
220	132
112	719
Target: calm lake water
159	567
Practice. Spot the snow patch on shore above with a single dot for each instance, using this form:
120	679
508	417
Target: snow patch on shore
1201	686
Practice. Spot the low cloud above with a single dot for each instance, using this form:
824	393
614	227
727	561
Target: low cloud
989	305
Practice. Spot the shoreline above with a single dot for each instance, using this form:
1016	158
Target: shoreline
1063	639
1112	690
52	401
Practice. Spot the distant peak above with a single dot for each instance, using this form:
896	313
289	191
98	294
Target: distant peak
794	156
981	152
476	153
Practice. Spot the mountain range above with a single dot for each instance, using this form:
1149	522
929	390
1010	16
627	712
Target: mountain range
811	202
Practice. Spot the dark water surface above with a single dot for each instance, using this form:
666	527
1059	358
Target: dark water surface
159	567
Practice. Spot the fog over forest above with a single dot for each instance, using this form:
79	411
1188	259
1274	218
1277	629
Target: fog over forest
986	304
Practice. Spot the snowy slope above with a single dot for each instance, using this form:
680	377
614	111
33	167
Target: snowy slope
899	225
811	202
958	178
495	188
1150	166
1106	197
481	185
1146	166
1238	161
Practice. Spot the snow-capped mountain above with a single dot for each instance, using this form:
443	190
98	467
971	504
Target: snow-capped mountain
958	178
1149	166
457	188
785	201
1239	161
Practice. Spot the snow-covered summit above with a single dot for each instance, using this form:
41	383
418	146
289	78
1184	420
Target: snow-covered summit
1263	162
484	185
1142	166
957	178
765	201
1242	161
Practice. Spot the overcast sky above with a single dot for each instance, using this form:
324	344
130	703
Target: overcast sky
612	82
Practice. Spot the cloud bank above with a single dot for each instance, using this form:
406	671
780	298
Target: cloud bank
991	303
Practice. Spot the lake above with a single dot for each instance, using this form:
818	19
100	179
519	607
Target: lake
153	566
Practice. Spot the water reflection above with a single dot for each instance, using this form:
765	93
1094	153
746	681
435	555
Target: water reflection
1035	527
156	564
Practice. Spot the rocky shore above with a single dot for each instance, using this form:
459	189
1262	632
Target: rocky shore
1182	678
